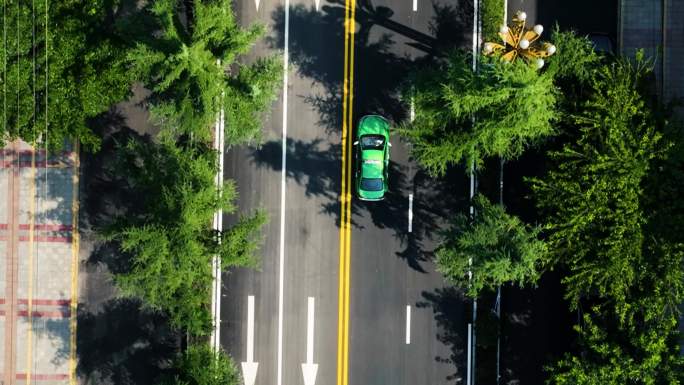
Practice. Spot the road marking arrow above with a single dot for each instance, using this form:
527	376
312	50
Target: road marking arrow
249	368
309	369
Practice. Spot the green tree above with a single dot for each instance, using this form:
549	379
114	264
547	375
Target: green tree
492	14
85	65
646	354
575	59
188	87
498	248
594	197
200	365
170	241
513	105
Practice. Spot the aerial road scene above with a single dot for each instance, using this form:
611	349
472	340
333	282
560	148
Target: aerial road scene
342	192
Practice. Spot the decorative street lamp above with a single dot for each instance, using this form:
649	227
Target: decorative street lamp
519	43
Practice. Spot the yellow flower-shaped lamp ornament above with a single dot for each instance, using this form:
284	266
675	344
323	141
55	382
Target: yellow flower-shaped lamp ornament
521	42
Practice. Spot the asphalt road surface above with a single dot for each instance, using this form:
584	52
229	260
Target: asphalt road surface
404	325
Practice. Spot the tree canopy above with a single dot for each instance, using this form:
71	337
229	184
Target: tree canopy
594	196
645	355
465	116
56	77
200	365
170	241
179	65
613	227
496	247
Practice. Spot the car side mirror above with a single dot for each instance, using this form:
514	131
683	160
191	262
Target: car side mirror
355	143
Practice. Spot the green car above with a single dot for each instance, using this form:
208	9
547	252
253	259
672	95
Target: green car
372	157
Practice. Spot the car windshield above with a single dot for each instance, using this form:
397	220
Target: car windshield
372	142
371	184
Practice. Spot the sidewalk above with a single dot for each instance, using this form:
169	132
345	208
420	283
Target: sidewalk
657	26
38	265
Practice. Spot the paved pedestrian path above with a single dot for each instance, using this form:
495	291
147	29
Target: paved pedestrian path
38	265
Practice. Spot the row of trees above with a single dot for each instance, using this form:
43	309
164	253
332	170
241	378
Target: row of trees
610	204
71	62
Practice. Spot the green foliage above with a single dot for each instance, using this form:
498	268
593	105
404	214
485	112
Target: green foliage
199	365
170	242
86	71
575	57
189	88
594	196
247	96
513	106
502	249
646	355
492	15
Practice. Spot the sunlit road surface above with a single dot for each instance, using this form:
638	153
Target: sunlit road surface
346	292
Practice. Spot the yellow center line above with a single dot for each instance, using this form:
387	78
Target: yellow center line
75	239
345	198
32	215
350	125
343	212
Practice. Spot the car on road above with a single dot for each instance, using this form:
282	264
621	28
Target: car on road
372	157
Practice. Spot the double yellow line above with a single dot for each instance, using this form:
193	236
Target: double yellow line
345	196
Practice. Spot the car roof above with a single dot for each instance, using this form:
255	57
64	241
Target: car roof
372	164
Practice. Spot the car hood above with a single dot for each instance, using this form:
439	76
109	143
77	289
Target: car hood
373	125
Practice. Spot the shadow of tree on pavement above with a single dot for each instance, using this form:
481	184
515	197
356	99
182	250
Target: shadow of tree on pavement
448	306
124	344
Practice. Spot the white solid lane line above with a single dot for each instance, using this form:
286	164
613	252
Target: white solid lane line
281	278
468	355
318	5
310	330
410	214
408	324
249	367
412	110
415	5
257	4
218	226
309	369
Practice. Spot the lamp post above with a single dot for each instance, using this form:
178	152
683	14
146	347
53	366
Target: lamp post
521	42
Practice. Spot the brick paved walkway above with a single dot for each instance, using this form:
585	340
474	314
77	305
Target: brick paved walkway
38	265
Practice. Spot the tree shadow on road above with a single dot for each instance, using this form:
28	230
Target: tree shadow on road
380	71
448	306
124	343
120	341
109	195
537	330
